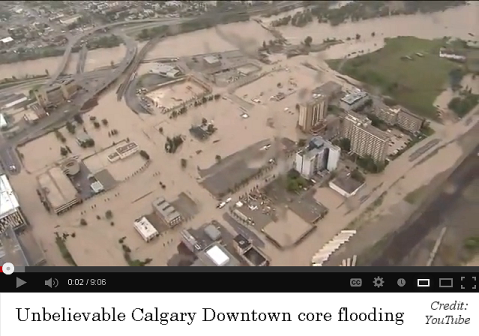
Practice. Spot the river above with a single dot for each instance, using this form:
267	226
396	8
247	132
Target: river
456	22
454	206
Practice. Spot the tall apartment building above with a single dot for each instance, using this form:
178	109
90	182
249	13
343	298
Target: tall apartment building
409	121
317	156
400	117
312	112
365	138
387	114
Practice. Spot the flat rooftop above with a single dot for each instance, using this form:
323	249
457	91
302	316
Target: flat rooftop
8	200
346	183
145	227
216	255
163	68
308	209
58	189
211	59
328	89
254	256
166	210
377	132
354	97
287	232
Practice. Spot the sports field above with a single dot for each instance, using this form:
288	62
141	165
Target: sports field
408	69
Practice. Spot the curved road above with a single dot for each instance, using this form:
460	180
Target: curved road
8	156
72	41
75	39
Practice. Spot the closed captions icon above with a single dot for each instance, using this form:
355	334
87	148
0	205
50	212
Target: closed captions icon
355	282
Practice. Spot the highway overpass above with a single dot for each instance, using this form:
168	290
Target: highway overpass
75	39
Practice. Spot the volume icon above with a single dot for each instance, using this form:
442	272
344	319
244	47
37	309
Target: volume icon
52	283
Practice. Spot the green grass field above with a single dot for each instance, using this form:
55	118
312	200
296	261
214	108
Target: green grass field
414	83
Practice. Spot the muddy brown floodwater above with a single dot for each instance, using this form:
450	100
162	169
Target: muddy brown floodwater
433	214
455	22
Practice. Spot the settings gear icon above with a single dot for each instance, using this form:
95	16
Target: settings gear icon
378	282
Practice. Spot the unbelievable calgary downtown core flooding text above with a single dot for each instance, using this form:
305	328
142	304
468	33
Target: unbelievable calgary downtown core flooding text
154	314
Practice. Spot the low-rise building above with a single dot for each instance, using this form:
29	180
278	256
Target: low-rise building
82	138
317	156
146	230
345	185
165	70
58	190
6	41
252	255
216	255
167	212
354	101
211	61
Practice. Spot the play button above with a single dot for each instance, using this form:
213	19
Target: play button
20	282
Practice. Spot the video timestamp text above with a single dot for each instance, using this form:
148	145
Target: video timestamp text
86	282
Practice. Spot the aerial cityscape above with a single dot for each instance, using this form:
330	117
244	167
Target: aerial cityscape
239	133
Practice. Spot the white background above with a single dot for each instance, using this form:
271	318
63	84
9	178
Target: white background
415	308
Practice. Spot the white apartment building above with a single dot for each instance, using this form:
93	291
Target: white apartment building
317	156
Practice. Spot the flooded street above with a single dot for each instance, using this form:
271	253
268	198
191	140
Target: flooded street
96	245
456	22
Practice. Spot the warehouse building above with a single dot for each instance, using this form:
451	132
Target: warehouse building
211	61
345	185
167	212
165	70
146	230
58	190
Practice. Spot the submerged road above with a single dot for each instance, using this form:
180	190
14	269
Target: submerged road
77	38
8	157
418	227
